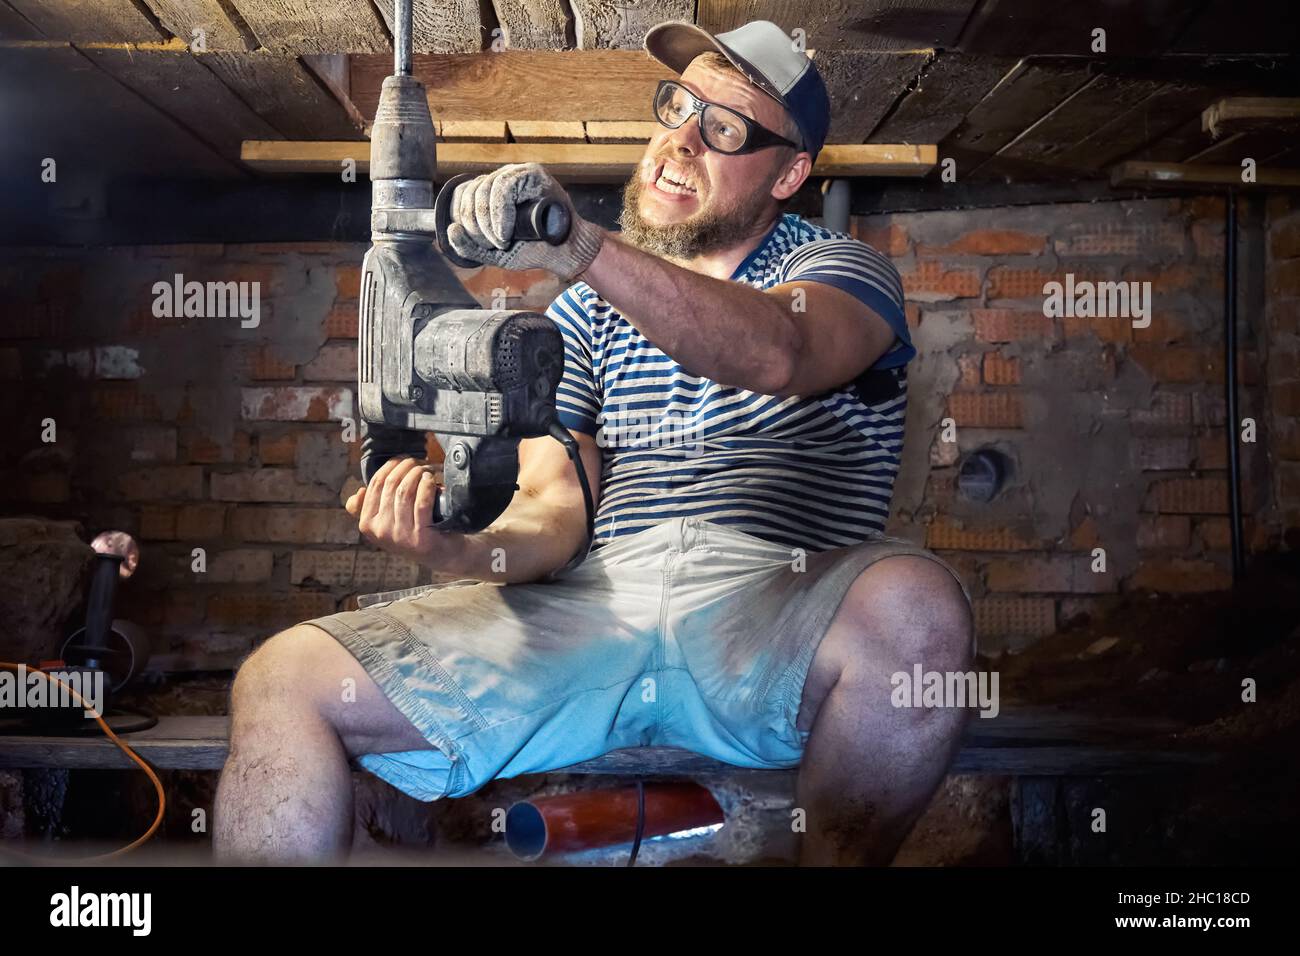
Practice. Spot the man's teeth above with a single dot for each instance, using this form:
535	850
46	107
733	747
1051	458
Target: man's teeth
672	186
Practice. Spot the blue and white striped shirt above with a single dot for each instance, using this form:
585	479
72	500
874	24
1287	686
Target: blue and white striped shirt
814	472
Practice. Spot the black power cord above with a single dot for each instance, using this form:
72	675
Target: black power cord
562	435
640	822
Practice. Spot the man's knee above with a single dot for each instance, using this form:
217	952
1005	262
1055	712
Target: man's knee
286	669
911	608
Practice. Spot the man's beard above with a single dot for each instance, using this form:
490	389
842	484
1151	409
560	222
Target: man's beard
703	232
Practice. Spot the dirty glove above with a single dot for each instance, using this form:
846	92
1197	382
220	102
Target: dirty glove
483	214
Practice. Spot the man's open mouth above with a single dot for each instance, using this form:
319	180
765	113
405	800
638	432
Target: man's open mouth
672	182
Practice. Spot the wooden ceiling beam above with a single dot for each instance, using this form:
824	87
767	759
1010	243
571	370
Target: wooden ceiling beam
581	162
1251	114
1182	175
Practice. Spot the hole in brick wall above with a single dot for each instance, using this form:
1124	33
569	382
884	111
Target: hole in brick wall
982	474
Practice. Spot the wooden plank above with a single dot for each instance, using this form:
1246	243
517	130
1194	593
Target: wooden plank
312	26
1240	114
1034	27
547	131
864	25
1183	175
222	28
333	72
584	162
442	26
284	93
1227	26
15	26
100	129
1030	91
175	82
1261	146
534	24
523	84
630	131
863	87
949	87
471	131
109	20
202	743
1167	108
602	25
1071	120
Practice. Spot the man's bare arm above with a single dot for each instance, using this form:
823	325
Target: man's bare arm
543	526
737	335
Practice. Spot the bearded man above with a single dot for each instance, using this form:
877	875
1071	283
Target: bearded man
735	379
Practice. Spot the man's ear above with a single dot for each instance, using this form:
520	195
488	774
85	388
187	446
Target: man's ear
793	177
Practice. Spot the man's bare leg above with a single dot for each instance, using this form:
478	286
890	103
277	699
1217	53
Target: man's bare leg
285	794
869	768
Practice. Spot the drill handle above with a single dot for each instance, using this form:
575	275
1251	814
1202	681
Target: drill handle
546	219
381	443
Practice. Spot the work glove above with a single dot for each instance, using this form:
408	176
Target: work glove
483	223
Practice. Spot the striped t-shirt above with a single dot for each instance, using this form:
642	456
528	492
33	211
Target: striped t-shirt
813	472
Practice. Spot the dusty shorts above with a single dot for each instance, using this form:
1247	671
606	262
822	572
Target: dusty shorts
687	634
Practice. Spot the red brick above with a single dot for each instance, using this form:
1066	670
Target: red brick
1014	617
291	403
1168	412
1283	361
266	612
890	239
931	282
1188	496
1044	574
1085	536
497	288
277	449
262	363
1177	365
161	483
304	248
1124	237
913	313
1286	440
1179	576
989	242
1152	453
333	363
984	410
1211	452
1284	239
1107	329
341	323
347	282
1210	410
157	523
1215	534
945	534
1176	278
1159	532
239	566
1012	282
1207	240
968	371
269	485
200	522
1009	325
1286	399
123	401
1288	481
152	443
202	448
294	525
1284	278
1000	369
331	569
1084	369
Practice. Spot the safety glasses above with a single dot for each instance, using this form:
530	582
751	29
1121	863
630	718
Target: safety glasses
722	128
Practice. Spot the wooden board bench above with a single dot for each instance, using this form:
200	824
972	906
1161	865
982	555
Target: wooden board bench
1035	742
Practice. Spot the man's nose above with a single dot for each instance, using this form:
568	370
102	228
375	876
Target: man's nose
686	138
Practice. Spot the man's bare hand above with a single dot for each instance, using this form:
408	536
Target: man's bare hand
395	513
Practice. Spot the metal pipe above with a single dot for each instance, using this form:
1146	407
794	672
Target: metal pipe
402	38
1230	379
598	818
835	205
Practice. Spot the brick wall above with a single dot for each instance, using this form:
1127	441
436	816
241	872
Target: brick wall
1282	316
199	433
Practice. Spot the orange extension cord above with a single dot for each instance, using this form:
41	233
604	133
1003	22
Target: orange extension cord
157	784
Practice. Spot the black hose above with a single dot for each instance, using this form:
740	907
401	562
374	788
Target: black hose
562	435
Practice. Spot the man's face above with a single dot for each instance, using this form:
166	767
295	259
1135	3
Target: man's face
724	196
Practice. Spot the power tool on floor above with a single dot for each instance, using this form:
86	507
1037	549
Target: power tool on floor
480	380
